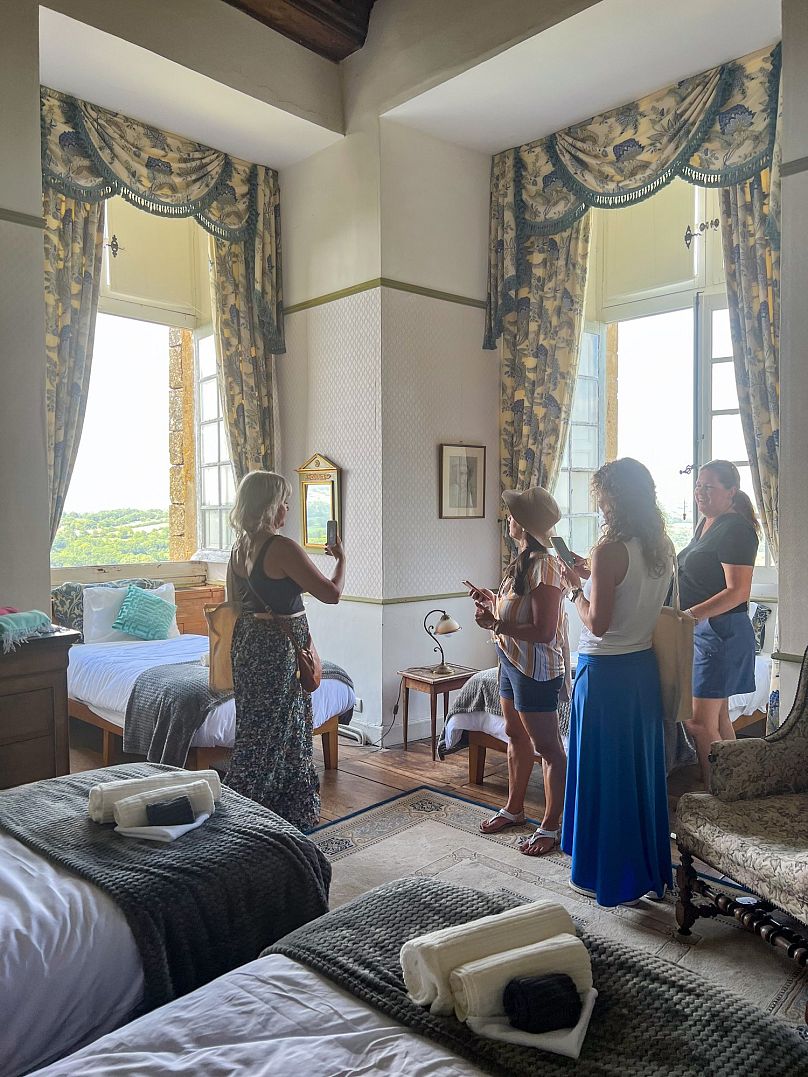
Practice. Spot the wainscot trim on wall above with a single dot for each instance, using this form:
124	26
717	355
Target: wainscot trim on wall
15	217
385	282
784	656
403	601
792	168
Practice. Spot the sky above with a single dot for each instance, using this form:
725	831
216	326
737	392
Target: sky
122	460
655	401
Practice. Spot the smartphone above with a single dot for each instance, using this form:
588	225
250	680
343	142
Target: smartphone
331	533
563	550
473	587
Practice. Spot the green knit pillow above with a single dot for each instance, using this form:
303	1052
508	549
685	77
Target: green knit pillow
144	615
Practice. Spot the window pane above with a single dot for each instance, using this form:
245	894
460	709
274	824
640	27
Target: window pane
562	492
728	442
724	389
583	534
228	485
565	459
212	537
746	485
209	392
224	448
210	443
585	402
227	533
590	345
210	486
584	447
722	340
207	356
581	493
562	529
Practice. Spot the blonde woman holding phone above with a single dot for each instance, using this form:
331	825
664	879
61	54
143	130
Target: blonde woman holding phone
527	620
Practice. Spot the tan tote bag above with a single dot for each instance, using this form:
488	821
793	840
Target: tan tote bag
221	622
673	645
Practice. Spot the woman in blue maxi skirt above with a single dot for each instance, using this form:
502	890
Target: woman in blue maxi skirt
615	824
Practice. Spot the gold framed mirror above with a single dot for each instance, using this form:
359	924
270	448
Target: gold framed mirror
319	480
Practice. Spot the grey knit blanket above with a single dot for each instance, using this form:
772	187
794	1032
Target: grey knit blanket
168	704
197	907
651	1018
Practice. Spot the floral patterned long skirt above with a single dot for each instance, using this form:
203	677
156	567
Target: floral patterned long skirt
272	759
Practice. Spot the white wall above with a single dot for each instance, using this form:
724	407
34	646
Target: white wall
793	350
24	538
224	44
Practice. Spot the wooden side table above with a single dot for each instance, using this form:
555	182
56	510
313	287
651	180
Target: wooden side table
33	709
425	679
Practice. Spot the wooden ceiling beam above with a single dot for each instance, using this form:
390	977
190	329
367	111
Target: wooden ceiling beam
332	28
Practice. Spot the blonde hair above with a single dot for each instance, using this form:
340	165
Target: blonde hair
259	496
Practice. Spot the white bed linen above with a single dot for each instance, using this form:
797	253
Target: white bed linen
759	699
272	1017
102	675
69	967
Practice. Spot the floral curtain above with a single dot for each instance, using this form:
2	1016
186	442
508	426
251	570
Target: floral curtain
90	154
716	129
752	266
541	344
74	237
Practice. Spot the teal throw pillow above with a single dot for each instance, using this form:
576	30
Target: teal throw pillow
144	615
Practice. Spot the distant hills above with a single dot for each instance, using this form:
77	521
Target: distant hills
111	537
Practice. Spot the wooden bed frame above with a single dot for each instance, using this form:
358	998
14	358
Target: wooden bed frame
191	602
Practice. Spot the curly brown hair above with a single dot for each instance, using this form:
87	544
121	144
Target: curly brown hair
628	497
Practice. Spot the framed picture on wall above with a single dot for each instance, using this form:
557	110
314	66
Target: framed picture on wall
462	482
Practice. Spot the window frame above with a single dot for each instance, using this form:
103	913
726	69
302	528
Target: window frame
206	551
597	330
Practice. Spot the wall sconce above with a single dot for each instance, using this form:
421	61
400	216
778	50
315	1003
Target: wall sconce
446	626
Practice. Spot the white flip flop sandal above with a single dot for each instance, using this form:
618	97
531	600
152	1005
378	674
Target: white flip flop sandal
540	832
509	821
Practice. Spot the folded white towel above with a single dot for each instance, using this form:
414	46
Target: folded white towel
561	1041
427	960
478	986
131	811
161	833
103	797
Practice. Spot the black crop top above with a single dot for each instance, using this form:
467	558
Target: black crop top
731	540
282	596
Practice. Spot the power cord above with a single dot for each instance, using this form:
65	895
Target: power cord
385	730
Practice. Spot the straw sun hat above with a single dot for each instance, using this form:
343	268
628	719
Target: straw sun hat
535	510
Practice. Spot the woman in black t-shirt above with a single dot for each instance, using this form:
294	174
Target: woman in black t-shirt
715	580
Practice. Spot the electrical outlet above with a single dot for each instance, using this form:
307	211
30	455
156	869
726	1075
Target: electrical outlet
358	707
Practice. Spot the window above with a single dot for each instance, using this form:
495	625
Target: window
583	453
116	509
722	434
215	479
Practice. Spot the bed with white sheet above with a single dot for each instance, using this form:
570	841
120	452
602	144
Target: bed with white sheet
71	967
101	676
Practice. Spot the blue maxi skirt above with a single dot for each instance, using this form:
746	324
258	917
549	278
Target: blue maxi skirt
616	808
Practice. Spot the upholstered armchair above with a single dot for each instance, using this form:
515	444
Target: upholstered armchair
752	827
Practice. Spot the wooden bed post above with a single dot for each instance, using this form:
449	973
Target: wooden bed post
106	748
476	762
330	737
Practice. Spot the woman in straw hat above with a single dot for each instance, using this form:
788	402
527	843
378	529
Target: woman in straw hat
527	619
616	810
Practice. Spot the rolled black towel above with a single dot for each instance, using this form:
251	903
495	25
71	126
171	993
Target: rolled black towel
170	812
542	1003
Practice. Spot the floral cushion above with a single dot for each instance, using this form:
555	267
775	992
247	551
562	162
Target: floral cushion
67	600
761	844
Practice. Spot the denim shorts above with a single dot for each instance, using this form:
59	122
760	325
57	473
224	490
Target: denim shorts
724	656
527	695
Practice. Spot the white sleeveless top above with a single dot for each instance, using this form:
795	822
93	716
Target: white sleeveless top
637	602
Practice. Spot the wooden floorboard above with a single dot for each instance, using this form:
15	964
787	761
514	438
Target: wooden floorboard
368	775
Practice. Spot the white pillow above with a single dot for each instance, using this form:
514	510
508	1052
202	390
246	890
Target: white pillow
102	606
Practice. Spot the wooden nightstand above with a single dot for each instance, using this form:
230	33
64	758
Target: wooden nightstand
33	710
425	679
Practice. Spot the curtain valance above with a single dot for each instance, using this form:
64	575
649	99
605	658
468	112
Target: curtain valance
714	129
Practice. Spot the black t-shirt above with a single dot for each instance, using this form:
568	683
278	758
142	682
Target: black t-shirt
731	540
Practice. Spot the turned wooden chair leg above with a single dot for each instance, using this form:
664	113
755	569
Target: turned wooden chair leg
686	912
331	749
476	763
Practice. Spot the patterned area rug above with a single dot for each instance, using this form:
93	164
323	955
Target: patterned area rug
435	834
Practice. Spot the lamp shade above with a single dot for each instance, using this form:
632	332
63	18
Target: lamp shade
446	625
